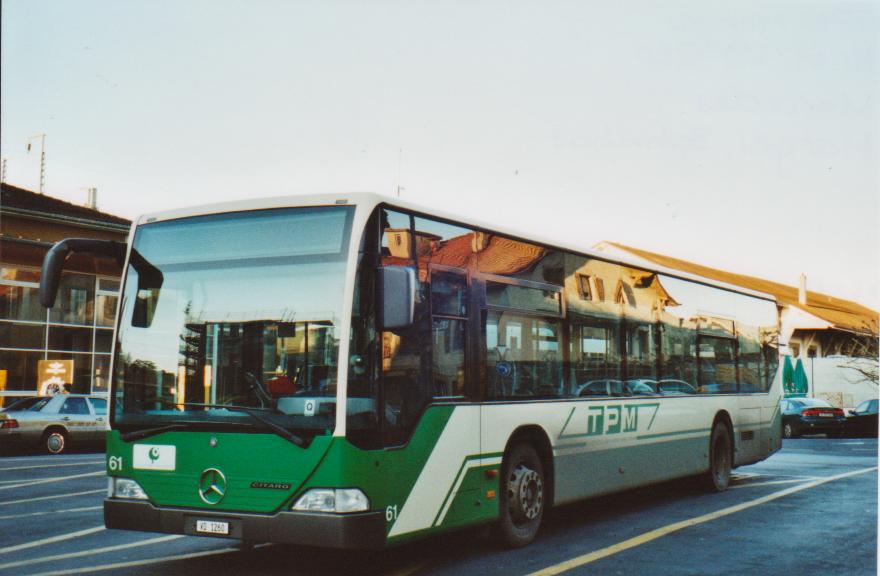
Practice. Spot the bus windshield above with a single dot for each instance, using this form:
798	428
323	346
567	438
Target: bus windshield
236	309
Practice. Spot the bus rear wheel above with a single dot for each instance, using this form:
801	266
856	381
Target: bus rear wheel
720	458
522	502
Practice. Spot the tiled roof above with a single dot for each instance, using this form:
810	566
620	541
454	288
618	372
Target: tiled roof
843	314
494	255
13	197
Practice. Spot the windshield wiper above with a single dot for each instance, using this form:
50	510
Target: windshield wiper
142	433
147	432
254	413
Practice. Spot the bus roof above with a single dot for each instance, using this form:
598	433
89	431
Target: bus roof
371	199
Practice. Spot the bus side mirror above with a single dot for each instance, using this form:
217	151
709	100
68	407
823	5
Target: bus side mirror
149	282
53	262
397	296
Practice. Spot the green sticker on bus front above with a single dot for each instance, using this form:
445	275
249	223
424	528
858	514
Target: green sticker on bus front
154	457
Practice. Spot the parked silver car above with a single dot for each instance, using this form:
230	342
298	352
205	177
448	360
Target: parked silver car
20	403
53	422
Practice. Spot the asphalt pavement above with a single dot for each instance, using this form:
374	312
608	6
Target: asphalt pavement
809	509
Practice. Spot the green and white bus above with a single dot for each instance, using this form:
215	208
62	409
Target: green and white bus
353	371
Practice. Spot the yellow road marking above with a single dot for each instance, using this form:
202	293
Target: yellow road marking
665	530
409	570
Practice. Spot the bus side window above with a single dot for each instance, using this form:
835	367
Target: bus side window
426	360
717	367
445	254
522	323
401	349
595	343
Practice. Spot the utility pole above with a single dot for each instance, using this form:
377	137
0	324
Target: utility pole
811	353
42	138
399	158
3	171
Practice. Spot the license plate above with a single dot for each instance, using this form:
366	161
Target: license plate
212	527
826	414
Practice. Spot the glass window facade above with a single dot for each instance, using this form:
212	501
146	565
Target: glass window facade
79	328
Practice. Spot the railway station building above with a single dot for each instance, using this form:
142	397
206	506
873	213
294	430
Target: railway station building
66	347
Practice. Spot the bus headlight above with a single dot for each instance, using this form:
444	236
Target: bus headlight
339	500
125	488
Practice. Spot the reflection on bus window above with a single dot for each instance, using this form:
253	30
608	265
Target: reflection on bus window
523	356
449	339
640	354
717	366
595	355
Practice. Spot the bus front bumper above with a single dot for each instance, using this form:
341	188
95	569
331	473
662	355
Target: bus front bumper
350	531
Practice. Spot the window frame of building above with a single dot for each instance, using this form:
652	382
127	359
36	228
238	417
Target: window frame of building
585	290
599	291
47	324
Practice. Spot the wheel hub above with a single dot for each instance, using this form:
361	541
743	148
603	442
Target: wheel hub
55	442
525	494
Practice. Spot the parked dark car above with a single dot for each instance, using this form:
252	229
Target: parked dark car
810	416
862	421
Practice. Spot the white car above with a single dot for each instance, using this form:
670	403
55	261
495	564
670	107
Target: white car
53	422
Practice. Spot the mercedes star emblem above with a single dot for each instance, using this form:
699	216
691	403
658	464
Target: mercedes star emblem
212	486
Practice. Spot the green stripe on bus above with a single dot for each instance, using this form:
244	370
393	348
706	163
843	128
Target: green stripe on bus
567	420
463	469
449	493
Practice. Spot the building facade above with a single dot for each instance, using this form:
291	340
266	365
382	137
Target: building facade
67	347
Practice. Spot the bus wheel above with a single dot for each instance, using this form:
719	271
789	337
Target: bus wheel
54	440
522	497
720	457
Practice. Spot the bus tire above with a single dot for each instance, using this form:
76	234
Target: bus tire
522	503
720	457
54	440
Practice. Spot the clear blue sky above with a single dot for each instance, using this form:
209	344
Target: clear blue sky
742	135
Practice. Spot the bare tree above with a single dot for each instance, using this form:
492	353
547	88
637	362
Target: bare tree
862	361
